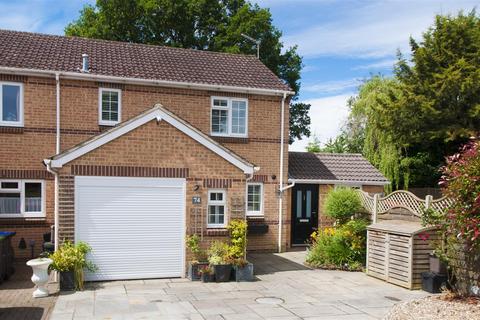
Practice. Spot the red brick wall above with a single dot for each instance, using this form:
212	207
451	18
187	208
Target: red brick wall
24	149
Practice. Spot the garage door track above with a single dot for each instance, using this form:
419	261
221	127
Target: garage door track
285	289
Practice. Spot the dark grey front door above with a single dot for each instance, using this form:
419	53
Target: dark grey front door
304	212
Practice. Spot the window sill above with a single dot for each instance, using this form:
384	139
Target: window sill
23	216
217	231
230	139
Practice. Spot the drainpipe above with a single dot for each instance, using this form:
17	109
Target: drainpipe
280	187
57	151
250	177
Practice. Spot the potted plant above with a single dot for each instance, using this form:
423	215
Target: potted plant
207	274
218	257
242	269
70	261
199	259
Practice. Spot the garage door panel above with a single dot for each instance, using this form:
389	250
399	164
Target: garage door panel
134	225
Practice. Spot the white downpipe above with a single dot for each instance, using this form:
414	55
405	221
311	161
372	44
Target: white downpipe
57	151
280	188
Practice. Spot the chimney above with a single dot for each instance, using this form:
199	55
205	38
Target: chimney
85	66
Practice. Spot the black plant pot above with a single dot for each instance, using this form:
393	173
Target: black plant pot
208	277
222	272
194	270
67	281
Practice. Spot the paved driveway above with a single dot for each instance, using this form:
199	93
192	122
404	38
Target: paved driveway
285	290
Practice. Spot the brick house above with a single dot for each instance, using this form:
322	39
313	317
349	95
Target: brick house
131	147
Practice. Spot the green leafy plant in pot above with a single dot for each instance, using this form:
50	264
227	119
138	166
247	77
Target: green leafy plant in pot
199	257
207	273
219	258
242	269
70	261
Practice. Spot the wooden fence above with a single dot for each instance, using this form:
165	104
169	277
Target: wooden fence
378	205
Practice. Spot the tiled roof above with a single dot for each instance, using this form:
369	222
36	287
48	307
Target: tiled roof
123	59
332	166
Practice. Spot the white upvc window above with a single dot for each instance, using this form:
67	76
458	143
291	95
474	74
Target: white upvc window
254	199
109	106
229	117
11	104
217	209
22	198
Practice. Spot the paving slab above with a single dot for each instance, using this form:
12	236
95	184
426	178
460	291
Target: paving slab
285	289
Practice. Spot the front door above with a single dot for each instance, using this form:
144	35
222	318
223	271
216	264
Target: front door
304	212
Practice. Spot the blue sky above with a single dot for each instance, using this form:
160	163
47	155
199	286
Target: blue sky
342	41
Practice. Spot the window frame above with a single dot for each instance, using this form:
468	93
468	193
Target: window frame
217	203
100	100
19	123
21	190
229	109
254	213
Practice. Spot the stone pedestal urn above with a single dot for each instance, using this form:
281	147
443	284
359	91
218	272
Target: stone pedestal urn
40	275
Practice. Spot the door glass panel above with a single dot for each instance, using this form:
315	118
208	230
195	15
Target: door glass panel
308	205
299	203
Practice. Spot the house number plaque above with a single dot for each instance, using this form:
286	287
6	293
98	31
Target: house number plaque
196	200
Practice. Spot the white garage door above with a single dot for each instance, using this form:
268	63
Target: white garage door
135	226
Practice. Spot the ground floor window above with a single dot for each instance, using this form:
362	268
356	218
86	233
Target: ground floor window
216	208
22	198
254	199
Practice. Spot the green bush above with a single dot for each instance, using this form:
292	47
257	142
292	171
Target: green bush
339	248
342	203
72	257
193	243
218	253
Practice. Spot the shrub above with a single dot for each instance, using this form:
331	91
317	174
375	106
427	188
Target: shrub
193	243
238	238
460	223
339	248
218	253
342	203
70	257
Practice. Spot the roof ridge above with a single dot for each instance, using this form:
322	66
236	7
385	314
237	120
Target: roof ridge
132	43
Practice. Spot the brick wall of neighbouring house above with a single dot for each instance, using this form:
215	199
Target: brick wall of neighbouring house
23	149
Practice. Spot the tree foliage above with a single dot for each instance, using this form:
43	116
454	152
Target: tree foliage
214	25
406	125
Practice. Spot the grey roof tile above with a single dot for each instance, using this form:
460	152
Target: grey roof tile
131	60
332	166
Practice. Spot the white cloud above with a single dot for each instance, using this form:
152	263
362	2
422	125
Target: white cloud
47	16
374	30
332	87
379	64
327	115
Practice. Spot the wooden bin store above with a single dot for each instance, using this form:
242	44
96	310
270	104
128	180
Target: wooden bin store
398	251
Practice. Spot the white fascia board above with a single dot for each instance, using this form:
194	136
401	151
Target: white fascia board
147	82
158	114
344	182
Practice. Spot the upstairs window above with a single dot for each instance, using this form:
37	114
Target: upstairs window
110	106
22	198
11	104
229	117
